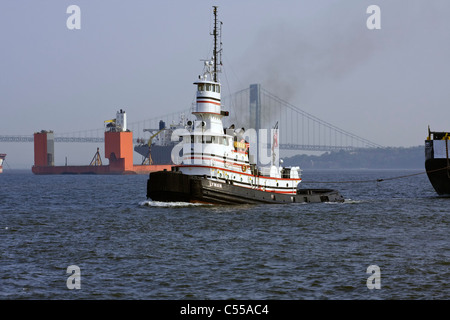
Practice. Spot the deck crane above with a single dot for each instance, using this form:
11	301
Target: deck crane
148	158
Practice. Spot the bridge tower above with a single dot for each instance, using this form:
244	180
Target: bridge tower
255	111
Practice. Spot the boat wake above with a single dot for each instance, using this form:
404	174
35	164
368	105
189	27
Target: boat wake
161	204
352	201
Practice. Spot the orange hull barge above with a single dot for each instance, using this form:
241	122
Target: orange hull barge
118	150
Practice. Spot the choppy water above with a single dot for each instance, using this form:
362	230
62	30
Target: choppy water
130	248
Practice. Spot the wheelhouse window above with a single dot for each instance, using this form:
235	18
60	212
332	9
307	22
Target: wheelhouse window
201	87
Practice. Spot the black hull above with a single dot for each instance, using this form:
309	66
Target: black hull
171	186
439	175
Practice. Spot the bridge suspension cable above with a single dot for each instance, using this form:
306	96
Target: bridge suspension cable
298	129
319	132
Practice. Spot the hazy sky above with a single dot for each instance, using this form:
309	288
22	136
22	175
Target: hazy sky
385	85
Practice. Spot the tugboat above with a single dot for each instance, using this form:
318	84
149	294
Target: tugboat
216	167
437	164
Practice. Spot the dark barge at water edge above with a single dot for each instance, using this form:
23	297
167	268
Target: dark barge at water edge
437	161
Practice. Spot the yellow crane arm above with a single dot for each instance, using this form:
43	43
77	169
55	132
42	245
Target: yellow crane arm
151	138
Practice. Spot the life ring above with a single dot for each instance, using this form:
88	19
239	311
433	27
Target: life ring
244	167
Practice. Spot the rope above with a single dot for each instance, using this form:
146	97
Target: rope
380	180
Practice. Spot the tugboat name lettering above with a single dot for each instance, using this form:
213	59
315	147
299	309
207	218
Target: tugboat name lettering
214	184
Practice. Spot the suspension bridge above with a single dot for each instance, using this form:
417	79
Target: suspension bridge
252	107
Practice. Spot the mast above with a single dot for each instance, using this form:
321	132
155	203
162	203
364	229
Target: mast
208	105
216	50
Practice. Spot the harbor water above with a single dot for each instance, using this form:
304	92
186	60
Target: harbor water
126	247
